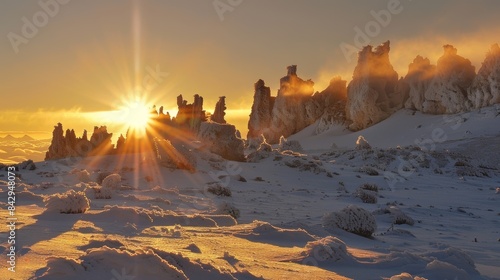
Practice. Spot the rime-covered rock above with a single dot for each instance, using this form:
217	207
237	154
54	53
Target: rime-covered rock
57	148
294	108
447	93
221	139
261	115
220	111
69	145
190	115
362	144
334	99
289	145
120	143
420	75
374	93
101	140
485	89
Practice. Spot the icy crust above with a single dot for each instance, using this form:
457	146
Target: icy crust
105	262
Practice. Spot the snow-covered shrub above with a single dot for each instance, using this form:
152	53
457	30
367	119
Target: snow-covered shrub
70	202
366	196
398	216
102	192
289	145
369	171
101	175
405	276
219	190
370	187
113	181
326	249
83	176
362	144
353	219
225	208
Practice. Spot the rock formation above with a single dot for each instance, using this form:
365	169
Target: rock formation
420	75
101	140
447	93
374	92
221	139
220	111
69	145
57	148
294	108
333	99
261	115
190	115
485	89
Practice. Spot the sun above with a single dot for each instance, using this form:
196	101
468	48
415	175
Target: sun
135	115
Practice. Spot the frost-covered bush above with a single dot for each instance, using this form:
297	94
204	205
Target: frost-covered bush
370	187
405	276
362	144
70	202
353	219
289	145
326	249
83	176
366	196
101	175
102	192
398	216
369	171
113	181
225	208
219	190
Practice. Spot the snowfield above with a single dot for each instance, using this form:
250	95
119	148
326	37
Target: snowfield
418	200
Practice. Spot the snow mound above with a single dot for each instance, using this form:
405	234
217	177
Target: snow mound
449	263
145	217
353	219
225	208
108	263
329	249
112	181
83	176
102	192
70	202
265	232
405	276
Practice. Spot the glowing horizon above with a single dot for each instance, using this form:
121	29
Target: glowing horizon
76	68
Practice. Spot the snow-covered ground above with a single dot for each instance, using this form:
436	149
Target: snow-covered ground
430	183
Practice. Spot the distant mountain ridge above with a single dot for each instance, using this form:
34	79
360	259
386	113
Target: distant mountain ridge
9	137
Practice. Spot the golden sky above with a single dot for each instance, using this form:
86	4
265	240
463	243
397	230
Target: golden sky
73	60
